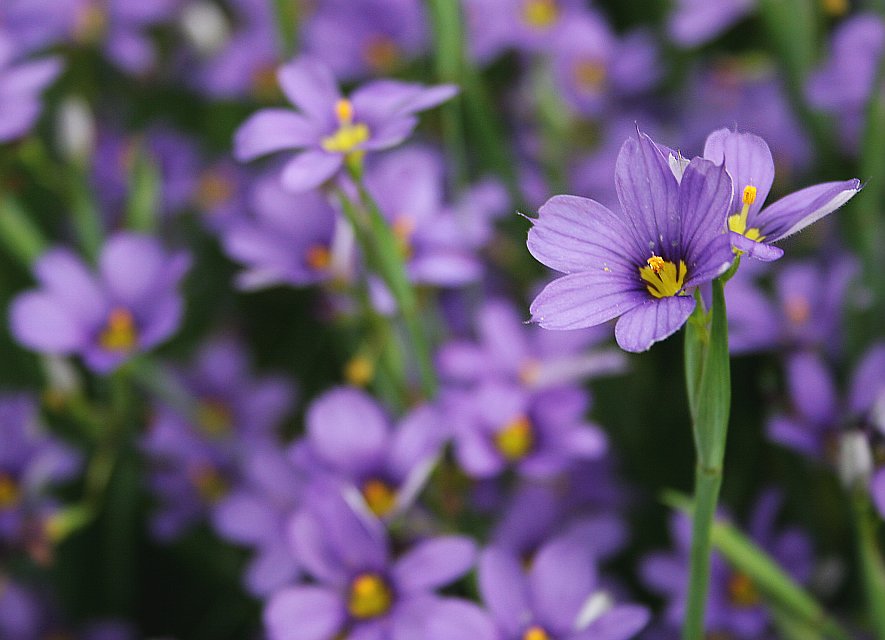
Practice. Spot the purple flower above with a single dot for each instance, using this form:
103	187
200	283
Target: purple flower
694	22
843	85
349	436
560	597
329	127
128	307
639	264
359	590
753	229
20	86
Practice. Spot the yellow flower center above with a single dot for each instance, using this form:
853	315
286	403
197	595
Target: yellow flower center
515	440
370	596
214	417
380	497
741	591
738	221
540	13
535	633
590	74
349	135
9	492
91	24
209	483
381	53
835	7
359	371
663	278
318	257
120	333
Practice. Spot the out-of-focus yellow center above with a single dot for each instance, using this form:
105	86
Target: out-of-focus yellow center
119	333
359	371
381	53
535	633
590	74
516	439
318	257
403	228
209	483
213	190
91	23
738	221
797	309
214	417
540	13
349	135
9	492
370	596
529	371
741	591
380	497
265	85
835	7
663	279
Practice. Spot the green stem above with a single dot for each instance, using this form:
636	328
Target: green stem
19	235
448	38
286	17
712	401
87	220
872	566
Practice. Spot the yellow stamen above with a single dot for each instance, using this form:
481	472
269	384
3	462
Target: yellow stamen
516	439
9	493
370	596
749	196
741	591
349	136
344	111
318	257
119	334
535	633
381	53
214	418
540	13
359	371
590	74
663	277
738	221
379	496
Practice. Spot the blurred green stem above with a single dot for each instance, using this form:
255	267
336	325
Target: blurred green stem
870	560
20	236
708	367
286	16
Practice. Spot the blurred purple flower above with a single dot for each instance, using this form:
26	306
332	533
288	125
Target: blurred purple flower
752	229
359	589
329	127
638	264
560	597
128	307
21	83
351	438
694	22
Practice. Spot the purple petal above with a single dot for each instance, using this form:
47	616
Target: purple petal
347	430
812	389
65	276
310	545
748	160
242	517
562	577
619	623
648	191
477	456
310	86
503	334
304	613
418	439
758	250
310	169
135	267
877	491
434	563
573	234
581	300
273	130
504	588
796	211
652	322
794	434
454	619
868	382
271	568
704	202
41	322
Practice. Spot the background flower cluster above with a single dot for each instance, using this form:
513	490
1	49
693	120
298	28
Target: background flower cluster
267	363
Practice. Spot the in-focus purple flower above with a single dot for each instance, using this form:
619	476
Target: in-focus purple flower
129	306
288	238
752	228
843	85
21	83
350	438
328	127
806	312
366	37
560	597
359	590
638	264
30	462
498	425
694	22
735	607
